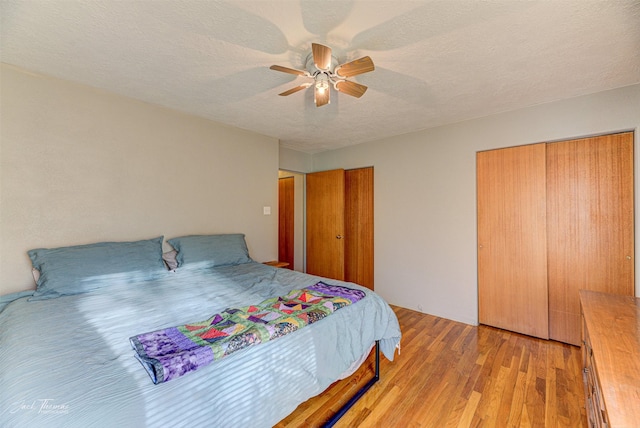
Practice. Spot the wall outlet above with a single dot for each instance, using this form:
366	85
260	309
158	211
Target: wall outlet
266	210
420	308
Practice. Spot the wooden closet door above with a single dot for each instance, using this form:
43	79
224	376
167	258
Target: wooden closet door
590	225
325	223
512	256
359	226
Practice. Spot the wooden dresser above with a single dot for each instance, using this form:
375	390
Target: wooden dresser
611	358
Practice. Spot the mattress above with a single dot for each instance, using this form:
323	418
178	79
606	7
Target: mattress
67	362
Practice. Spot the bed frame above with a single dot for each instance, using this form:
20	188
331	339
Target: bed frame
334	419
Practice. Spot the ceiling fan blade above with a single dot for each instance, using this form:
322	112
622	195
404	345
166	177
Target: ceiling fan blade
353	68
351	88
321	56
322	97
288	70
294	90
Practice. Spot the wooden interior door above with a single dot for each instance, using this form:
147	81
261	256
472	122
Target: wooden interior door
590	225
359	226
286	212
512	256
325	223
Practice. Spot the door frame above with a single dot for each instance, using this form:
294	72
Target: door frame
299	244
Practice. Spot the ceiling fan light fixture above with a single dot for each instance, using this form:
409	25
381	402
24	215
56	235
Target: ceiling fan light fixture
322	82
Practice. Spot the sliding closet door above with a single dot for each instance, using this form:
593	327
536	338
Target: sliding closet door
359	226
590	225
325	223
512	255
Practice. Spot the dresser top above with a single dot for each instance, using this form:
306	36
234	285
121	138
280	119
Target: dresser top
613	324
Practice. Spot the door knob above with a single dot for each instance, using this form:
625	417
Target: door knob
339	237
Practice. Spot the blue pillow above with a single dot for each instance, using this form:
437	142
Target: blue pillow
207	251
8	298
82	268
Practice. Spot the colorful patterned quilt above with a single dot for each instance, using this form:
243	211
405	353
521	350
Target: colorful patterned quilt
172	352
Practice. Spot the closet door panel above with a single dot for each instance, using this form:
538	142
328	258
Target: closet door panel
512	256
359	226
590	225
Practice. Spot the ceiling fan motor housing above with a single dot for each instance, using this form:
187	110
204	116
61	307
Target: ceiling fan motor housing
322	77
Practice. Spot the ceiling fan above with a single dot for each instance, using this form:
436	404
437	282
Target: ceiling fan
323	68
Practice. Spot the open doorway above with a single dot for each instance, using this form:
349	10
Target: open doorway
291	219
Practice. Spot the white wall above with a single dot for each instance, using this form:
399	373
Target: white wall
78	165
425	194
293	160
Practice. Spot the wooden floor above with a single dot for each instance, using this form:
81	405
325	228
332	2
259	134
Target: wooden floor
451	374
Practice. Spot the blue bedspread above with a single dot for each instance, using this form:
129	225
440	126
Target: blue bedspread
175	351
67	362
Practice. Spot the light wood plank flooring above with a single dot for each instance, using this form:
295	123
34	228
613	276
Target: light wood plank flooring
451	374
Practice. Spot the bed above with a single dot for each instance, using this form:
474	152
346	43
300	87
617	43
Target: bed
66	357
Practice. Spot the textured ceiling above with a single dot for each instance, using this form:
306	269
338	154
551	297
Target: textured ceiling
437	62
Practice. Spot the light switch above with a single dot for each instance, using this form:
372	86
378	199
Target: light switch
266	210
